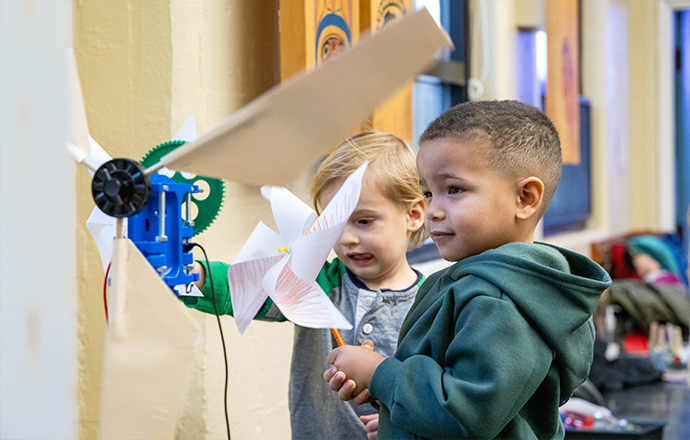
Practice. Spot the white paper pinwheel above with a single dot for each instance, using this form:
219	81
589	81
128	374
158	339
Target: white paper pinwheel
284	266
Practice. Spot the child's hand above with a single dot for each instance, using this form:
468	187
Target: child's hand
339	383
356	364
198	268
371	424
337	380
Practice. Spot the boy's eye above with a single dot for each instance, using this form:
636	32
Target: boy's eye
364	221
454	190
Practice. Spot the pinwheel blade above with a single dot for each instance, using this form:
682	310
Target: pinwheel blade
262	242
311	250
304	303
291	214
246	293
280	134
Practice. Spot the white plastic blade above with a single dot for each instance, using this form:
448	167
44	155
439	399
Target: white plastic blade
101	226
97	156
277	136
78	129
103	230
188	130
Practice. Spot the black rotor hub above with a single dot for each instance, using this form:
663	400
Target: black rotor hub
120	188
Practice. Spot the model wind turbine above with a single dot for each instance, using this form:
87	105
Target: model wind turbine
272	140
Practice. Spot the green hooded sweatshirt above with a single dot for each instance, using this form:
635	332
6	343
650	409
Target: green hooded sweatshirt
492	346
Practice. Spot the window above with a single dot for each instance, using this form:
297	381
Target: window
445	84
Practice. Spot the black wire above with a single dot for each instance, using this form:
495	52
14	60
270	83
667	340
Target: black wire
222	339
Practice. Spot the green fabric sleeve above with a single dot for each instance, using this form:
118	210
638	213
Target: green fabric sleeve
329	277
221	289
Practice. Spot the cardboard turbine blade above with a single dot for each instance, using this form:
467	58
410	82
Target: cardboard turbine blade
148	351
277	136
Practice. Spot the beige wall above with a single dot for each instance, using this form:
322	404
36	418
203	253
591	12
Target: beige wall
619	76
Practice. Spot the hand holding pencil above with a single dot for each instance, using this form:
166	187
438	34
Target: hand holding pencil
361	361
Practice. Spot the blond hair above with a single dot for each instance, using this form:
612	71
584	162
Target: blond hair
391	161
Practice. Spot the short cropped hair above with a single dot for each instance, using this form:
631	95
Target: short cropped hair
391	161
522	140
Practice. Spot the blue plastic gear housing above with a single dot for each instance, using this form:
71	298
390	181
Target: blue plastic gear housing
164	248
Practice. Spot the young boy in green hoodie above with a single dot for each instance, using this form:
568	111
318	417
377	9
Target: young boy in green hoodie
494	344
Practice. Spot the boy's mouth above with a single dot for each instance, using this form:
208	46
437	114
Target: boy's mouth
439	235
360	258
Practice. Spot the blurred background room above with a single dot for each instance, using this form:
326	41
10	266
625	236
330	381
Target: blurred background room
614	75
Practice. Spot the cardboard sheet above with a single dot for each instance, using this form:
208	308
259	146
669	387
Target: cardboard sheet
276	137
148	351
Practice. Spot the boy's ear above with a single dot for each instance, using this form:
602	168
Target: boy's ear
530	197
415	215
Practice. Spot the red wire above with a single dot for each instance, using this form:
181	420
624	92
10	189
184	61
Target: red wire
105	298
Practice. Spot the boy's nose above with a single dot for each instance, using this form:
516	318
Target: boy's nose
433	212
348	237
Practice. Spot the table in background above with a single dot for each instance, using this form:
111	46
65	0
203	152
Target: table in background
667	402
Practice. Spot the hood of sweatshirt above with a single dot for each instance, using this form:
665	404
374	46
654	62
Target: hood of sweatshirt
556	289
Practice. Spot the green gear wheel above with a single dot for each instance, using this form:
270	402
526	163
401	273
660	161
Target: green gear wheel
208	201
